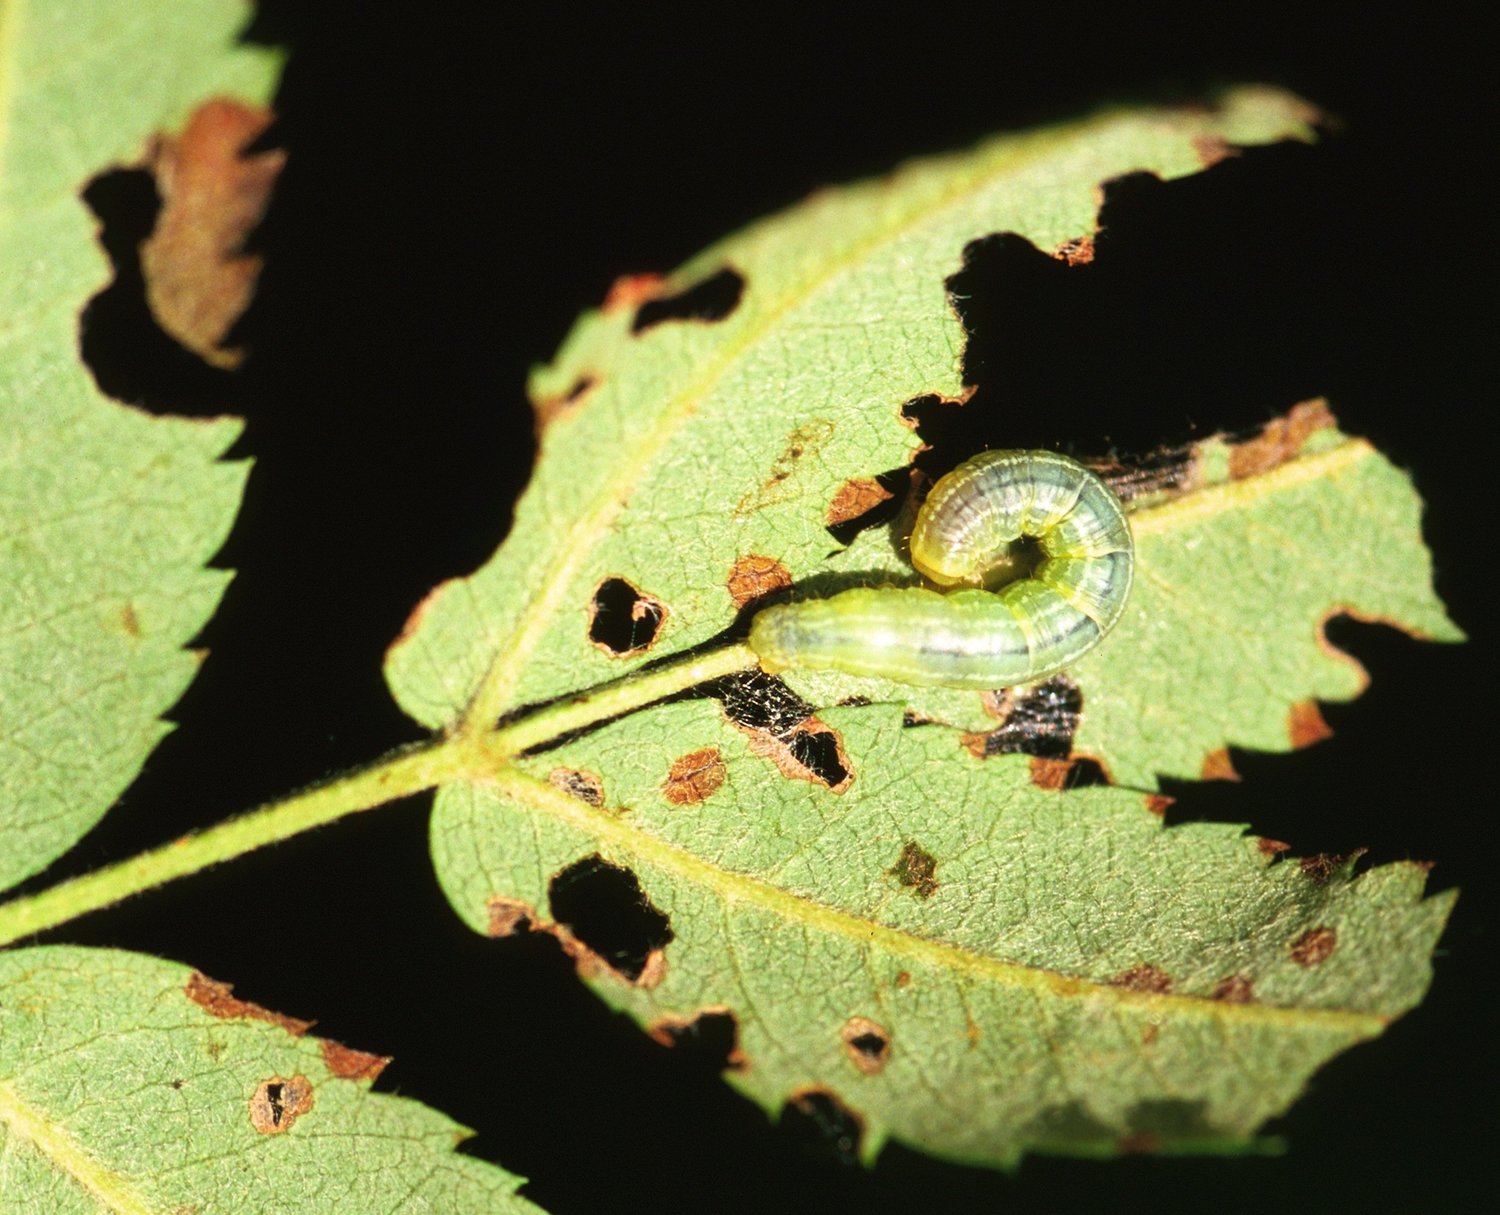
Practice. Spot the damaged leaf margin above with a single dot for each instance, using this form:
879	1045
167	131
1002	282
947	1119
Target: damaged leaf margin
226	1111
715	440
1133	984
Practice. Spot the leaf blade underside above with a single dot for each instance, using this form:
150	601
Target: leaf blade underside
108	516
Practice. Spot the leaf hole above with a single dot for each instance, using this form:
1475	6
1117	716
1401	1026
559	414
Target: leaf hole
867	1044
603	906
822	1126
710	300
865	503
622	619
709	1040
129	355
1040	722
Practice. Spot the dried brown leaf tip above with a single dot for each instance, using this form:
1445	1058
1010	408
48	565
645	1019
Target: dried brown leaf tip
916	868
754	577
279	1102
867	1044
1218	766
694	777
346	1063
199	280
218	1000
1305	724
1314	946
1280	440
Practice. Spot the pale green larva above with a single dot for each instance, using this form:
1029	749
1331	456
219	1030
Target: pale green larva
970	534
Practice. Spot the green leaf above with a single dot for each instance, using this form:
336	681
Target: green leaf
897	919
1238	567
1027	969
672	454
138	1086
107	515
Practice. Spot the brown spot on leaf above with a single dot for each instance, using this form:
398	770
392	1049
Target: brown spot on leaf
217	1000
712	1032
630	291
694	777
1314	946
867	1044
1144	977
1079	251
1211	149
804	442
279	1102
508	917
346	1063
917	869
1270	847
1149	1033
1158	804
624	620
903	978
1143	1144
1236	989
1218	766
1321	867
754	576
1050	774
810	751
199	280
1305	724
854	498
550	409
129	622
1280	440
575	782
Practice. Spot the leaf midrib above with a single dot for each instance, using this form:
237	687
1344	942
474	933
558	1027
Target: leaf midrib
1243	494
744	888
32	1127
568	557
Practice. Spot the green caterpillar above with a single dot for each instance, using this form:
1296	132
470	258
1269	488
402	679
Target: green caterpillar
969	534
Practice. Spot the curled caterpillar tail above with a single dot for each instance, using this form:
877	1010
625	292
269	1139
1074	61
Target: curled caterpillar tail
971	532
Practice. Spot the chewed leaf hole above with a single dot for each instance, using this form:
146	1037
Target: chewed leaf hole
1040	722
130	356
710	1038
279	1102
622	619
606	910
864	503
710	300
822	1126
867	1044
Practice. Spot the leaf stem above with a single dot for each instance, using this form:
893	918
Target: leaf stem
615	699
400	774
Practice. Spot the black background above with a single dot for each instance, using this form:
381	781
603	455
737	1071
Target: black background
462	186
